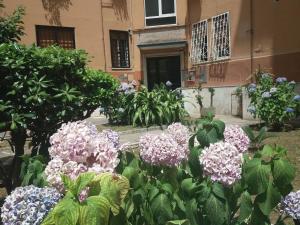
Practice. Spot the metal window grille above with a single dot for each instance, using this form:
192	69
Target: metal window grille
119	49
199	42
51	35
220	37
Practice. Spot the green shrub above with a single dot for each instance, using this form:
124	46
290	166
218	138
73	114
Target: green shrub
273	101
145	108
41	88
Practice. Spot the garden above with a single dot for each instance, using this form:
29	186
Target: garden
196	172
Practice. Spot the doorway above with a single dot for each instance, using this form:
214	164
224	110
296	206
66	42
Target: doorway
163	69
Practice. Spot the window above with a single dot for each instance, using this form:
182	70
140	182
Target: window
199	42
160	12
220	37
119	49
50	35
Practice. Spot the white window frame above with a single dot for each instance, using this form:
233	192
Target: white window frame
160	14
213	54
195	58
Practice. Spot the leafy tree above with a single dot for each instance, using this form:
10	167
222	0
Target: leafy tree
11	26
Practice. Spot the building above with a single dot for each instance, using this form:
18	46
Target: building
219	42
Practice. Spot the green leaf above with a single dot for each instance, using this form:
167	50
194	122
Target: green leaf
96	212
216	210
220	125
114	188
178	222
218	190
212	136
257	176
66	212
268	200
202	138
161	208
245	207
188	186
194	162
82	181
283	172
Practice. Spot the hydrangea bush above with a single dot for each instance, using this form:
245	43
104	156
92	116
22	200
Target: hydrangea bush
273	100
173	179
78	147
28	205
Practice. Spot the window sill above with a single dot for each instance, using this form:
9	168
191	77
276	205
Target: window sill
122	69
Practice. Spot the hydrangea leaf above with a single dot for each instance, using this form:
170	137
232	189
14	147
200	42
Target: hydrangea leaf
283	172
161	208
218	190
95	212
83	180
245	206
268	200
257	176
220	125
66	212
194	162
216	210
114	188
178	222
202	138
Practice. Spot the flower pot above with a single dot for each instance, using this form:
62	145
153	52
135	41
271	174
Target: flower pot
205	111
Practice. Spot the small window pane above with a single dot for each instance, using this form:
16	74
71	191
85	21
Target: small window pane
51	35
151	8
161	21
168	6
119	49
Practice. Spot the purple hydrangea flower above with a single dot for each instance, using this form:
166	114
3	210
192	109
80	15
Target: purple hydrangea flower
168	149
281	79
266	94
236	136
291	205
273	90
222	162
78	147
169	83
251	109
28	205
289	110
297	98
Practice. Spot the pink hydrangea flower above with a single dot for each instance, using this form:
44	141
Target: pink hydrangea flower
222	162
78	147
235	135
179	132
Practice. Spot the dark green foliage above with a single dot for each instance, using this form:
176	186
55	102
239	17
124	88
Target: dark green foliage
32	171
145	108
11	26
41	88
256	140
162	195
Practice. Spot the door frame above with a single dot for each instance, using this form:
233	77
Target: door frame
162	54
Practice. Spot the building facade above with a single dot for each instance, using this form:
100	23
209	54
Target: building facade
218	42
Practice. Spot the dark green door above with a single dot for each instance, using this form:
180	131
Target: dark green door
163	69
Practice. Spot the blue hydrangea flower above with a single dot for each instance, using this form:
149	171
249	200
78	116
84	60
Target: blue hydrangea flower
289	110
291	205
265	75
252	88
169	83
273	90
28	205
297	98
252	85
251	109
281	79
266	94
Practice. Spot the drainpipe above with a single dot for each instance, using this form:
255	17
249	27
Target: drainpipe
102	31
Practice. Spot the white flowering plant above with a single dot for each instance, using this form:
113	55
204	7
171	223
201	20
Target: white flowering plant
273	100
